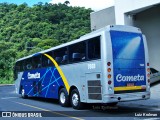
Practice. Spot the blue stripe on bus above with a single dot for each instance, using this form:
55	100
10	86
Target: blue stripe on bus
49	77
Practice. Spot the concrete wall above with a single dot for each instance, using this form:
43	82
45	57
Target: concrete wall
102	18
144	14
149	22
124	6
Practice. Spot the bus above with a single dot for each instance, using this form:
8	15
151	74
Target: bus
106	66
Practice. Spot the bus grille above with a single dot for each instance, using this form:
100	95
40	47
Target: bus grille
94	90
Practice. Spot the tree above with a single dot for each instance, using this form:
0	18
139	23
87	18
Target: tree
41	27
66	2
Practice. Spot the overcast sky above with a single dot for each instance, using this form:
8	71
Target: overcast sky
93	4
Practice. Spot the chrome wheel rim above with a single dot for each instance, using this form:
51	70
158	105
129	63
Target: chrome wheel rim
62	97
75	99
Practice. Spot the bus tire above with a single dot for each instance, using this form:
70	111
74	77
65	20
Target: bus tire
63	98
23	94
75	100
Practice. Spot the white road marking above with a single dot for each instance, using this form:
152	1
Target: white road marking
8	98
151	119
65	115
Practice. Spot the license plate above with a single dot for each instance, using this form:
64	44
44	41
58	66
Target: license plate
130	84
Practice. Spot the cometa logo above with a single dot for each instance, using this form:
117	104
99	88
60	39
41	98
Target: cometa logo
34	76
120	78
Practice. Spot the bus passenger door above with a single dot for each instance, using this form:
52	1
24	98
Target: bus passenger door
39	88
34	87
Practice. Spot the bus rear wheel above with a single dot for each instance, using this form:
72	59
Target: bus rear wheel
75	100
23	94
63	98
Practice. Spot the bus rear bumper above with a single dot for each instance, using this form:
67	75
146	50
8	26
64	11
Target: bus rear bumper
126	97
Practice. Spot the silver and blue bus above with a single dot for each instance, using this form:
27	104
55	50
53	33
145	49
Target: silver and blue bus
106	66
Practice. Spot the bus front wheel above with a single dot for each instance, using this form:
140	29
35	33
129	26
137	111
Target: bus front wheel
63	98
23	94
75	100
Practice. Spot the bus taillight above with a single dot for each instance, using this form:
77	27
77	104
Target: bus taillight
109	73
148	73
109	69
109	63
109	82
109	76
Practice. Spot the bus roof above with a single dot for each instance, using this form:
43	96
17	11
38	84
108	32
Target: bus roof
85	37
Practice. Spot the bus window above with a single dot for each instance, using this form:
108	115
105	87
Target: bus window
15	73
36	62
46	62
17	67
22	65
16	70
77	52
94	50
28	64
65	59
61	56
58	59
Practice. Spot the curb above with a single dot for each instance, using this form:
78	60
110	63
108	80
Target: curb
6	84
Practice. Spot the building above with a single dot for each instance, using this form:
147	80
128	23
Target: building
144	14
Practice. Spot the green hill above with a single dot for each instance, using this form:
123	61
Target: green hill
38	27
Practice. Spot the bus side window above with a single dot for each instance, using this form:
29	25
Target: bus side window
36	62
61	55
16	70
76	57
77	52
58	59
28	64
17	67
65	59
21	65
46	62
94	48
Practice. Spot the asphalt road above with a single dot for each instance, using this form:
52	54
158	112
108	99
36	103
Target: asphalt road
39	108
